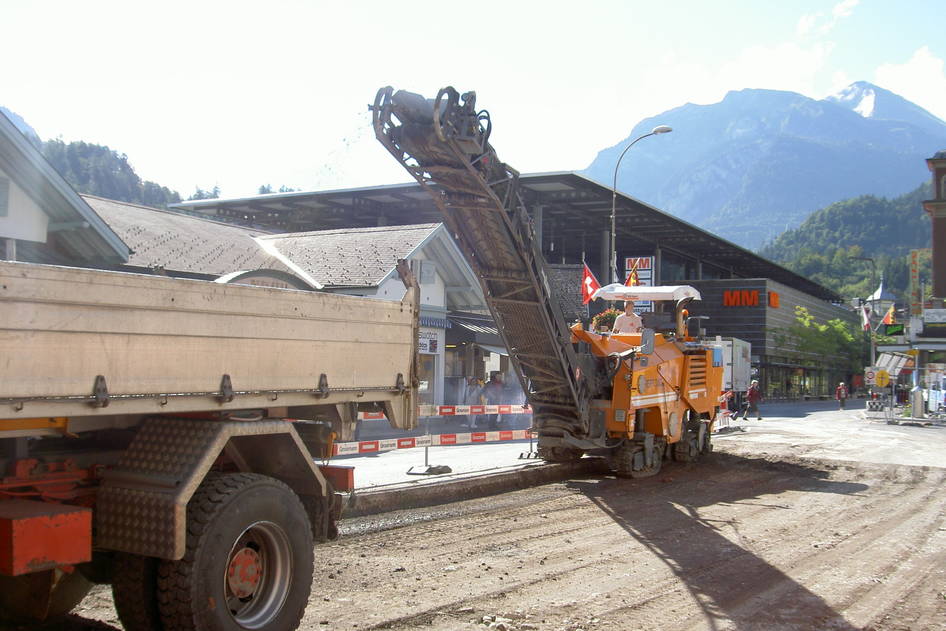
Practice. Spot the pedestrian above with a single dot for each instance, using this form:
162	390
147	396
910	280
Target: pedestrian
753	398
493	393
841	394
629	321
473	395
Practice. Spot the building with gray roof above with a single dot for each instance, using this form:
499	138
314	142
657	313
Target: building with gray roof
42	219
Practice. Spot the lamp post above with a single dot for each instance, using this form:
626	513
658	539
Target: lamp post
861	302
659	129
878	302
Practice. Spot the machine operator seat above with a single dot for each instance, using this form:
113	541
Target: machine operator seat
661	322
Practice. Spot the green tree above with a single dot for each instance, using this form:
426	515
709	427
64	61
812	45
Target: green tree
842	344
200	193
826	246
97	170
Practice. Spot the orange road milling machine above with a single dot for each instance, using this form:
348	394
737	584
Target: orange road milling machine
637	398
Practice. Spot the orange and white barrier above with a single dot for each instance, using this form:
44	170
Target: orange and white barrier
455	410
724	417
428	440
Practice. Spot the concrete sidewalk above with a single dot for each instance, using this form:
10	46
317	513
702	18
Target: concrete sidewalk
396	479
380	429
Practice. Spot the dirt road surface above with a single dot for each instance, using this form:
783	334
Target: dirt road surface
788	525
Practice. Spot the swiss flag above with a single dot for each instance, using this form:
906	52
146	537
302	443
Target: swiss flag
589	285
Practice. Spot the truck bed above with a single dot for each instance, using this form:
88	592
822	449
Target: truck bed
165	345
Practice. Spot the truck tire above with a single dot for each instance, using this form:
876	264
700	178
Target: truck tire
248	561
134	591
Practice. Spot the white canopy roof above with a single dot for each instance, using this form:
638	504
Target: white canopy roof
617	291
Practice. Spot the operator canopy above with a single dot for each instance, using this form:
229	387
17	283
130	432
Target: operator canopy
617	291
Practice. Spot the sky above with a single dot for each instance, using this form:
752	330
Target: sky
240	94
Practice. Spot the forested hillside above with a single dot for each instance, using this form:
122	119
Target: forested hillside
826	247
98	170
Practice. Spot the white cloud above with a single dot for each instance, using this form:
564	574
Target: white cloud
920	79
821	23
806	23
839	81
844	9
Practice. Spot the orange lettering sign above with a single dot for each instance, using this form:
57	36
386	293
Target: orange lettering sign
773	299
741	298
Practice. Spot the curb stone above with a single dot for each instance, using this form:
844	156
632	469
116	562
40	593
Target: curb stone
434	493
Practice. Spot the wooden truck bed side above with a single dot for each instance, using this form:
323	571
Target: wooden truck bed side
164	345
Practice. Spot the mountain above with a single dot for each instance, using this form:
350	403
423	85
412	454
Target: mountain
22	125
871	101
96	169
760	161
830	245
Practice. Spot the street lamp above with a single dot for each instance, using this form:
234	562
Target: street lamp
879	302
860	302
659	129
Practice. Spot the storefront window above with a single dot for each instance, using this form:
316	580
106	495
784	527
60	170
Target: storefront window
454	362
427	376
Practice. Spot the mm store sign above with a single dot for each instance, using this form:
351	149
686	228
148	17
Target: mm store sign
748	298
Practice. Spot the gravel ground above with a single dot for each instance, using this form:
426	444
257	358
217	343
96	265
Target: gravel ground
812	519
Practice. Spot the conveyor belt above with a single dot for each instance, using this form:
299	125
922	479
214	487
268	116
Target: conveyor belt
443	144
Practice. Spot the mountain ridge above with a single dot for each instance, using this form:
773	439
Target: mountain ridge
760	161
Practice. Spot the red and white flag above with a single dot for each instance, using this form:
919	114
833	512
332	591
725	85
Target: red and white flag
865	317
589	285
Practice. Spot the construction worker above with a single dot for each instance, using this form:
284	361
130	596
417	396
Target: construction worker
629	321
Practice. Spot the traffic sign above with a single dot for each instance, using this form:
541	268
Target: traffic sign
882	378
870	375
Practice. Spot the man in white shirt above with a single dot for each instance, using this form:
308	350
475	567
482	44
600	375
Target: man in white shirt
628	322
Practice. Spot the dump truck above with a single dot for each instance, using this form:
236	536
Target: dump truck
163	434
636	399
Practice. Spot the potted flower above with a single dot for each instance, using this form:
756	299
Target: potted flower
604	321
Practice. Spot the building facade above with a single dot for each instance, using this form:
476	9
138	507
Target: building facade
762	312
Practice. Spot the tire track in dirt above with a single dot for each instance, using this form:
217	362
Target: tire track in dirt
592	580
733	543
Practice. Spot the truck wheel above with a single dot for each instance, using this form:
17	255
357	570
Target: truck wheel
248	562
134	590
